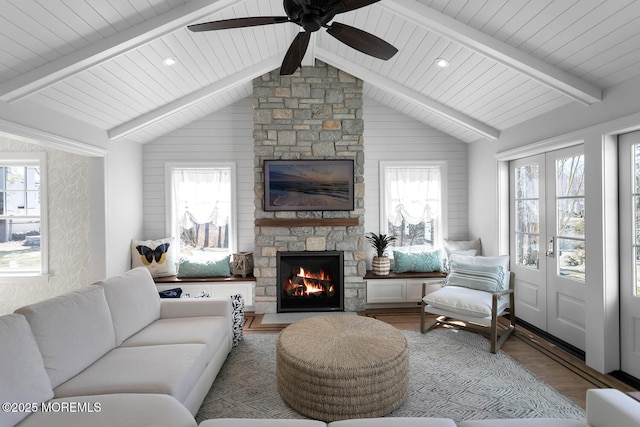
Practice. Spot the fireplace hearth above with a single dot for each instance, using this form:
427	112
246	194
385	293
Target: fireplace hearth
310	281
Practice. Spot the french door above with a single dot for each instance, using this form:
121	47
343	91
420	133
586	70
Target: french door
629	196
547	242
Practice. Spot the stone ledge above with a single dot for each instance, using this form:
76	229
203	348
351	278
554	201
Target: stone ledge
308	222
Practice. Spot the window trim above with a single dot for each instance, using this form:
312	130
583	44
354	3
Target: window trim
26	158
168	168
442	165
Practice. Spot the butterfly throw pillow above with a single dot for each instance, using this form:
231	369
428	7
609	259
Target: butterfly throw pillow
156	255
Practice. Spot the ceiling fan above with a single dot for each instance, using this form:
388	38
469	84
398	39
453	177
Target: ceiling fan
312	15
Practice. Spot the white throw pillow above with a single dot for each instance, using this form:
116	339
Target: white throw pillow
158	256
501	260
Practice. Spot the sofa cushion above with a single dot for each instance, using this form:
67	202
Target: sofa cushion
72	330
261	422
213	331
110	410
464	301
395	421
24	378
165	369
525	422
133	300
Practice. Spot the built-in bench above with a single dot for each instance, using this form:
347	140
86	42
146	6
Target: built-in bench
213	286
399	289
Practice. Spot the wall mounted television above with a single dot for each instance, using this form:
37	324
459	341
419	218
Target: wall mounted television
308	185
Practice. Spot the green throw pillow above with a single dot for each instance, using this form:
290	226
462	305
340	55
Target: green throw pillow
219	268
419	262
487	278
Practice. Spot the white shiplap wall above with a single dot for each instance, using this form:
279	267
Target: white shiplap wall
392	136
225	136
228	136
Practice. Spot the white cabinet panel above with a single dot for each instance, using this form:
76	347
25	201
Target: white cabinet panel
399	290
214	289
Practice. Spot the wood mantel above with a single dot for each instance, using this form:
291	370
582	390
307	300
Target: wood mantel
307	222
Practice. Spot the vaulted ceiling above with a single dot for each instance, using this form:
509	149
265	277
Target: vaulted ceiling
101	61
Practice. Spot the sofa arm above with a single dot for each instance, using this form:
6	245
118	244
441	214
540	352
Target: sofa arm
612	408
195	307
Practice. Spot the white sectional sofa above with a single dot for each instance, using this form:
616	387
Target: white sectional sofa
111	354
605	408
115	354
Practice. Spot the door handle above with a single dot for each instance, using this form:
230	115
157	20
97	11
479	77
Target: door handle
551	247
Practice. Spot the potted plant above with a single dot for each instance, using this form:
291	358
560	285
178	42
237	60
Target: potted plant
380	264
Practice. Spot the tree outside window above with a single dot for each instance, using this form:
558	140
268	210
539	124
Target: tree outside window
412	209
202	210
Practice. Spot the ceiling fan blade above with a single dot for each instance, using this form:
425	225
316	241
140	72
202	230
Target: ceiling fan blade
238	23
349	5
362	41
293	58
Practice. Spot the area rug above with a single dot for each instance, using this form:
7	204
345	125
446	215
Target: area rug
452	375
284	318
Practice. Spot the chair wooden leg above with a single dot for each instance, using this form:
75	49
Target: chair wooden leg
494	334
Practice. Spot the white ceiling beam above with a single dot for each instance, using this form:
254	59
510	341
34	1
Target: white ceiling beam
409	95
496	50
47	75
194	98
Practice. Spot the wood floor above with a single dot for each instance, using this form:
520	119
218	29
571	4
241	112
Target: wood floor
563	371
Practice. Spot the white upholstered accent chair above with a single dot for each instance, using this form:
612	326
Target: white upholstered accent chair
472	308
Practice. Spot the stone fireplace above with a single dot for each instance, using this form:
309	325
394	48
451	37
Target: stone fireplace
310	281
315	113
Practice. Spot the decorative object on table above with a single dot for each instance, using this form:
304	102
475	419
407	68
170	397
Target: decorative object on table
171	293
380	264
242	264
158	256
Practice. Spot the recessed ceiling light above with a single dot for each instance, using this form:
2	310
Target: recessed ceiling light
169	61
442	63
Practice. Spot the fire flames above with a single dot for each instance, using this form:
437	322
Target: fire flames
305	283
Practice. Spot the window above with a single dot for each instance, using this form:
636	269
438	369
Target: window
203	209
412	208
22	220
527	213
636	216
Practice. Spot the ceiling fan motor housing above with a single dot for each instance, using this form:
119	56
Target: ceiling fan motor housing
311	14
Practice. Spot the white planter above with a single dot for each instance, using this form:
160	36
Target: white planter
381	265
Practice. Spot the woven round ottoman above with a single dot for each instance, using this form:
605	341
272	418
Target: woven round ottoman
339	367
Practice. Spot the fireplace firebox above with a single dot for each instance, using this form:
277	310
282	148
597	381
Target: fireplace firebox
310	281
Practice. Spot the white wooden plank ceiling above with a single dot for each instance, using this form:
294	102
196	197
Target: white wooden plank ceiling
100	61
